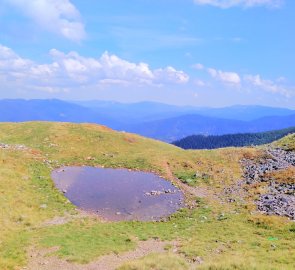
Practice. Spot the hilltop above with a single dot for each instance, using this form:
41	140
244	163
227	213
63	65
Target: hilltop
219	229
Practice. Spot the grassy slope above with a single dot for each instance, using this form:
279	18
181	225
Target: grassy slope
225	236
287	143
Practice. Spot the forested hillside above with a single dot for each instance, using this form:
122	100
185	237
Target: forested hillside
242	139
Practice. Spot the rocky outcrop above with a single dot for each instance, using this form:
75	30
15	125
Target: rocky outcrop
280	196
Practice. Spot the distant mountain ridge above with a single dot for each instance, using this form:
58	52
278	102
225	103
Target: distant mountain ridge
156	120
186	125
19	110
154	110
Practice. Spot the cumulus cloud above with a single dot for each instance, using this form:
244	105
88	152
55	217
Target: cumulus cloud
170	74
198	66
225	76
58	16
69	70
246	82
267	85
241	3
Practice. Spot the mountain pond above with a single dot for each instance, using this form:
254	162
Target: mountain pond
119	194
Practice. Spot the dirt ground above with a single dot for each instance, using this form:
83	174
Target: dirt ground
42	259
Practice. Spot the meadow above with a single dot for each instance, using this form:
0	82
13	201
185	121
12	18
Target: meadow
211	233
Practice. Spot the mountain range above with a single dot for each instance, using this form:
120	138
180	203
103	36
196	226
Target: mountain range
156	120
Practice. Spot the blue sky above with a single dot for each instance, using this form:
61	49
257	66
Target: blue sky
188	52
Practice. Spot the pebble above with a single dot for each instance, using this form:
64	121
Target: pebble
159	192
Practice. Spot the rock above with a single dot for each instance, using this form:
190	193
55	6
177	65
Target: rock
280	199
19	147
159	192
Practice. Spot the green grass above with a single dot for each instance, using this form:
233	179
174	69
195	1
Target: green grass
193	178
225	236
200	232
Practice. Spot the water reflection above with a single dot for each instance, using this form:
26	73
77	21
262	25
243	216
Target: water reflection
118	194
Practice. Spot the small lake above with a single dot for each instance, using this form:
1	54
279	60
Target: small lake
119	194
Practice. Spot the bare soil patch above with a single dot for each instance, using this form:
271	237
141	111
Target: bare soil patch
43	260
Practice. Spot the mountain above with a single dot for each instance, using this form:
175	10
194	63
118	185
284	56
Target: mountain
245	112
156	120
19	110
228	140
148	111
134	112
173	129
178	127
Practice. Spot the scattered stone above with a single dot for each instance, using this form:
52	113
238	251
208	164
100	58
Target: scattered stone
280	197
19	147
277	204
159	192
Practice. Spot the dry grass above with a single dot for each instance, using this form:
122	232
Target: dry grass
283	176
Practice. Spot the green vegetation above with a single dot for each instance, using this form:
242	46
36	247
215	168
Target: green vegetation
221	235
287	143
238	140
192	178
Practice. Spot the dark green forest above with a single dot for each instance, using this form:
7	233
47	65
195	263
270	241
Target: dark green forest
240	139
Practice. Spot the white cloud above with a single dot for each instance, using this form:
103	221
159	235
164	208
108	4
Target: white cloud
241	3
267	85
58	16
225	76
170	74
198	66
12	64
232	78
73	70
246	82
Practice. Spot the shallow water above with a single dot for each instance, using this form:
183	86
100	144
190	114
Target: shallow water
118	194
